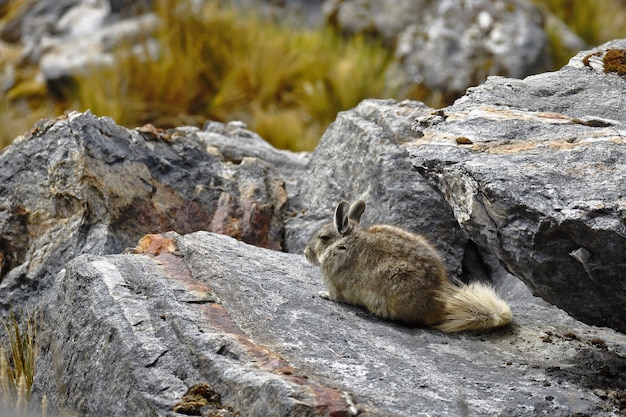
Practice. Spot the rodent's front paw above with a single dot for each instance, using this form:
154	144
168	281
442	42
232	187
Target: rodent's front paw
324	294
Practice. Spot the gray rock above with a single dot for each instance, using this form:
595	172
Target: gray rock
530	170
298	12
533	170
455	45
82	184
386	18
128	334
448	46
35	21
236	142
67	37
61	57
129	7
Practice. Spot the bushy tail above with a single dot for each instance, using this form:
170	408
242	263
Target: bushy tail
473	307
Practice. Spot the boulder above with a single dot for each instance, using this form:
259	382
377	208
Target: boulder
133	334
534	172
64	57
95	187
235	142
448	45
82	184
56	35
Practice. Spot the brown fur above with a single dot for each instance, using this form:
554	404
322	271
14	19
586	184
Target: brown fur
397	275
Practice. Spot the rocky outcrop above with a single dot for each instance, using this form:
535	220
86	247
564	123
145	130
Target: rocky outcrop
526	170
129	334
521	173
533	170
82	184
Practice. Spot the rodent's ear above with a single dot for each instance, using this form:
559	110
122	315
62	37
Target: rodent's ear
342	224
356	210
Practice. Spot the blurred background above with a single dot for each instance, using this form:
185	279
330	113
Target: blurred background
285	68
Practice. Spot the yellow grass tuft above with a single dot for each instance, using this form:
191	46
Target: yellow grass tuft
18	353
214	62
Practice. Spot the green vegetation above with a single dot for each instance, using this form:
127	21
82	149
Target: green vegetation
214	63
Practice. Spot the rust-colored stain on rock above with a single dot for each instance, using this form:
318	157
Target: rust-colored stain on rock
246	220
165	252
327	401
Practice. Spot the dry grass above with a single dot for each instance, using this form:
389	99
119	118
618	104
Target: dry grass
23	96
18	354
18	116
594	21
216	63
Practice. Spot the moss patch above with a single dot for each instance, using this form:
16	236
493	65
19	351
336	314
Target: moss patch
202	400
615	61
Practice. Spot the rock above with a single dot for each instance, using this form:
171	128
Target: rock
82	184
133	334
362	155
235	142
163	332
63	57
386	18
297	12
448	46
130	7
35	20
533	170
56	34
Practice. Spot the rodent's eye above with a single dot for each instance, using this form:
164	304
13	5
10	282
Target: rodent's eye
325	238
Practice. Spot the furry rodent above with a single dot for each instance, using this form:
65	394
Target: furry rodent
398	275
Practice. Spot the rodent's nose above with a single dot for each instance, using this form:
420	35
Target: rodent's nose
309	255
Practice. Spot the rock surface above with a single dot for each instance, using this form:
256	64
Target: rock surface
534	171
82	184
56	34
448	46
128	334
99	187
